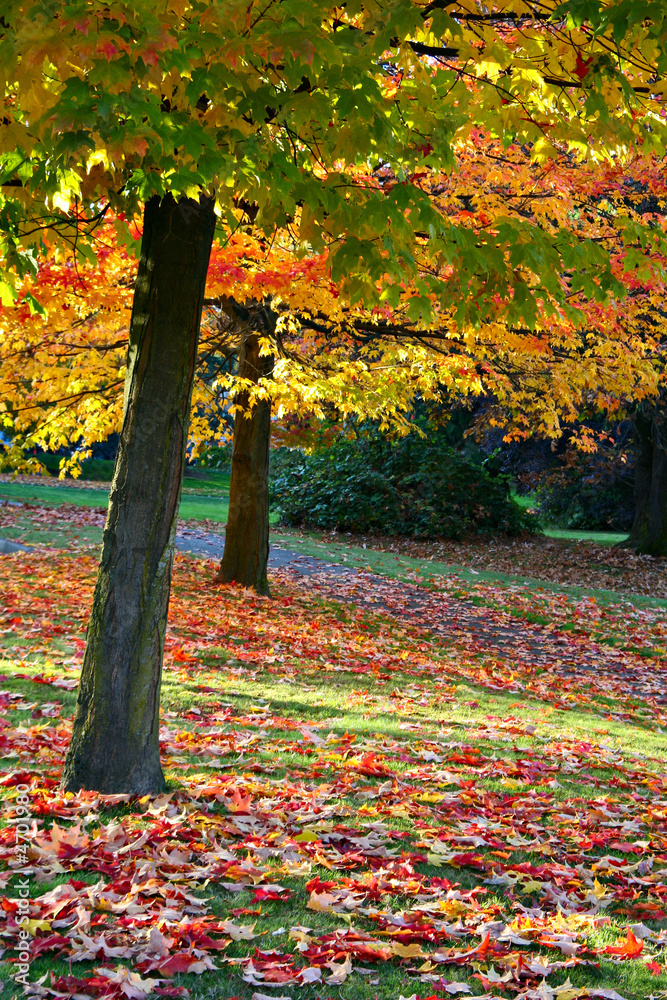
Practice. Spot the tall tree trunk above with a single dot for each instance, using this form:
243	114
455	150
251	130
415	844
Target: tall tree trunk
649	530
247	536
114	744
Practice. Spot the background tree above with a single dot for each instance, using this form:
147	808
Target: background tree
649	528
246	553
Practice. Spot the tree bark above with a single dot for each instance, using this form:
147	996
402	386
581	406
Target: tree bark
649	530
114	745
247	536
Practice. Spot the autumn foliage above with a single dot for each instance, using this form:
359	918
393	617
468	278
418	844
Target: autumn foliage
62	358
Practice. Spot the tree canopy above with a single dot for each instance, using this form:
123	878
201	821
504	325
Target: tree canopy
290	112
62	359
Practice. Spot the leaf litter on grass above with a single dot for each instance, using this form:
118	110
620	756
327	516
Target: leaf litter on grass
569	562
355	794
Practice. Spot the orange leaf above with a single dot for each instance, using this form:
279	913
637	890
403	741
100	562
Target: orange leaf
629	948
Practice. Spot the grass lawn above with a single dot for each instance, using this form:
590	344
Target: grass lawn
368	796
201	500
204	498
601	537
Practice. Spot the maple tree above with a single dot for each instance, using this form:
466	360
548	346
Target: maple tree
186	108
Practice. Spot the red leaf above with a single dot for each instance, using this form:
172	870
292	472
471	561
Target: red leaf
581	67
629	948
268	894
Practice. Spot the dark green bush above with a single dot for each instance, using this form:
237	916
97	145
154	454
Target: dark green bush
97	469
592	492
414	487
216	457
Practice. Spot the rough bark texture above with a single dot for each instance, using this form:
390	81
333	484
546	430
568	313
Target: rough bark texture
649	529
114	744
247	536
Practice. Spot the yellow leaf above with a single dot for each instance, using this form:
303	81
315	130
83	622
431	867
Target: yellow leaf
32	926
599	889
307	837
407	950
512	783
543	150
531	886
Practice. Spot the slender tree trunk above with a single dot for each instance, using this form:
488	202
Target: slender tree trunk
649	530
114	744
247	536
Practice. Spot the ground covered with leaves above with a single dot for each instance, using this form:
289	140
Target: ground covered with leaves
375	789
582	562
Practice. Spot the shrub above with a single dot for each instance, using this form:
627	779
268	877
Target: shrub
96	469
411	487
592	492
216	457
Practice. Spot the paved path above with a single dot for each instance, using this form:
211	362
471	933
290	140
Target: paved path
407	602
530	657
212	546
7	547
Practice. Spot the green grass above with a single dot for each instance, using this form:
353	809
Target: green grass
314	700
26	533
528	502
579	535
196	504
53	495
206	482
